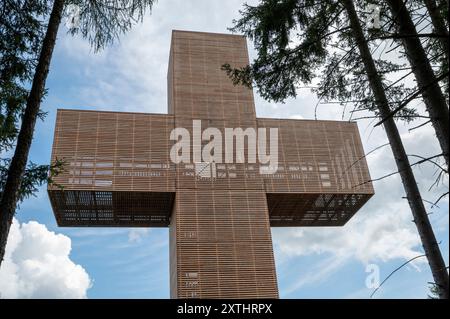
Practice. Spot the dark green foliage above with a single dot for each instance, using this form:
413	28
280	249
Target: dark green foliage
22	28
21	33
304	42
102	22
435	48
345	79
274	26
312	41
33	177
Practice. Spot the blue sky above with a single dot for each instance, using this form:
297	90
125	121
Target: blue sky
311	263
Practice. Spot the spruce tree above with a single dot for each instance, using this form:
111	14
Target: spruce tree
301	41
101	22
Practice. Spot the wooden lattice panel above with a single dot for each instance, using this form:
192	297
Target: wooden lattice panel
322	177
112	209
119	154
198	88
318	157
218	175
112	151
223	245
289	209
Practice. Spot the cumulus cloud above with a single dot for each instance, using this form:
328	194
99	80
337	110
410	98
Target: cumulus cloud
37	264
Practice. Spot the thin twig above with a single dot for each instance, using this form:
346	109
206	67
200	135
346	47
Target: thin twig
417	93
364	156
394	173
395	270
440	197
419	126
404	36
429	159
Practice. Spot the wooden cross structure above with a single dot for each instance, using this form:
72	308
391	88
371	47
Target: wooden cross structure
119	174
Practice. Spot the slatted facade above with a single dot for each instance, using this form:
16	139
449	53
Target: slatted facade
322	177
119	173
221	226
117	169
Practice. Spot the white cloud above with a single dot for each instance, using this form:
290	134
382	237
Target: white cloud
381	237
136	235
37	265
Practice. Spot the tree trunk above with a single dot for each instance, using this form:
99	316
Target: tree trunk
18	163
432	94
421	220
438	24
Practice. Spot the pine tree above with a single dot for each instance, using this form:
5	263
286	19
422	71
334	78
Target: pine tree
429	242
427	82
298	41
101	22
438	16
21	33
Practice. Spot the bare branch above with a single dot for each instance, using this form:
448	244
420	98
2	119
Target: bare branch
404	36
397	172
419	126
413	96
429	159
439	199
363	157
394	271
